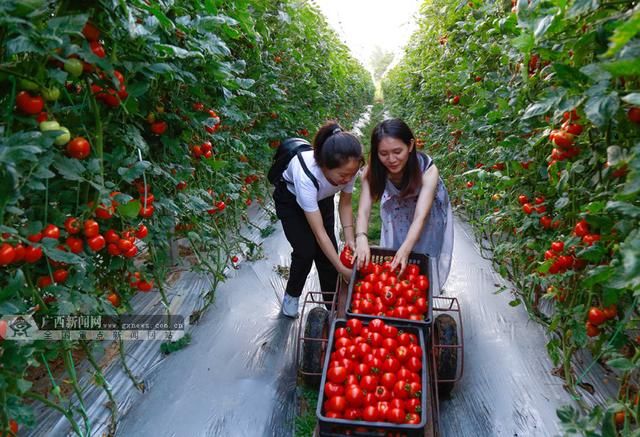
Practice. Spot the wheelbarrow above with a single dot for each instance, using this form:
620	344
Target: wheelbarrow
443	334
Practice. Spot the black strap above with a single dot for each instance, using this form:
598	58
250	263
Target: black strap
307	171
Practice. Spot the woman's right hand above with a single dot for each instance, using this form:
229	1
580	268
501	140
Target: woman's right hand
362	252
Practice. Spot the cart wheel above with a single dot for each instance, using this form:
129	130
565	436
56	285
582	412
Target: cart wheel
446	334
316	326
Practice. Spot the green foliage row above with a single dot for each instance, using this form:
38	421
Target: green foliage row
487	85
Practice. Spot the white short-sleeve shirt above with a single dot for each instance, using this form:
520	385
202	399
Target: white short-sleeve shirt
300	185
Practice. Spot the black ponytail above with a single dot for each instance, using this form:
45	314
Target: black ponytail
333	147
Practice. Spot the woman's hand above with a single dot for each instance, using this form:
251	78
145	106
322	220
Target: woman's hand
401	259
345	273
362	252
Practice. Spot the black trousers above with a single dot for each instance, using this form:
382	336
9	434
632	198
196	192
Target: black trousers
306	249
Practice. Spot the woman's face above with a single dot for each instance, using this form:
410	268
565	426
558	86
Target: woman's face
394	154
343	174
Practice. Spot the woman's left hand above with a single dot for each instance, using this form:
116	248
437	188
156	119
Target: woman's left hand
401	259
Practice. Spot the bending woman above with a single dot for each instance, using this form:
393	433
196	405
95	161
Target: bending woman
414	204
304	203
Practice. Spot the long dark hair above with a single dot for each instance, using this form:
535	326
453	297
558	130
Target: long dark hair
333	147
377	175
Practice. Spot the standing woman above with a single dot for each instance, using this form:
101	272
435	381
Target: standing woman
304	203
414	204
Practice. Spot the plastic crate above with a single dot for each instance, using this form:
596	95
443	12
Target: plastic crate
378	256
330	427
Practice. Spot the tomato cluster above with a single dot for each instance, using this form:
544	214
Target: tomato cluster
564	137
597	316
380	292
374	374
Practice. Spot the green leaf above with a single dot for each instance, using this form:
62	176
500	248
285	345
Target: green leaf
20	44
542	25
23	385
623	67
569	74
515	302
130	209
601	108
216	164
624	208
50	249
598	275
632	99
135	171
543	106
69	168
623	34
561	202
623	364
581	7
524	42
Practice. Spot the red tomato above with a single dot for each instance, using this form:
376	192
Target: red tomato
354	396
111	236
60	275
354	327
336	404
346	257
7	254
352	414
582	228
527	208
596	316
159	127
91	228
413	406
145	286
412	419
113	249
396	415
391	365
72	225
19	253
592	330
522	199
331	389
32	254
382	393
341	332
337	374
589	239
412	269
96	243
414	364
561	139
388	380
51	231
44	281
369	383
29	105
97	49
401	389
35	238
370	413
78	148
390	331
146	212
376	325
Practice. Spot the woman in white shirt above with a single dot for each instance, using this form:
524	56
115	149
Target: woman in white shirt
304	203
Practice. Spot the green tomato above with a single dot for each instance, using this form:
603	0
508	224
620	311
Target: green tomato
49	125
28	85
73	67
51	94
63	138
25	7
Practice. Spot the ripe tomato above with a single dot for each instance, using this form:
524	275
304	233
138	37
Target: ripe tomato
142	232
369	382
51	231
527	208
336	404
412	418
91	32
582	228
589	239
634	115
401	353
391	365
522	199
124	245
354	396
545	221
381	393
19	253
44	281
78	148
337	375
413	406
72	225
7	254
562	139
596	316
592	330
114	299
145	286
395	415
60	275
611	311
414	364
572	128
388	380
557	246
376	325
370	413
113	249
401	389
97	49
29	105
422	283
346	257
146	212
159	127
96	243
354	327
331	389
390	331
91	228
32	254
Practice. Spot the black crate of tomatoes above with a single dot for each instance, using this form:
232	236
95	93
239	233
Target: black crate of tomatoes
377	292
374	380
